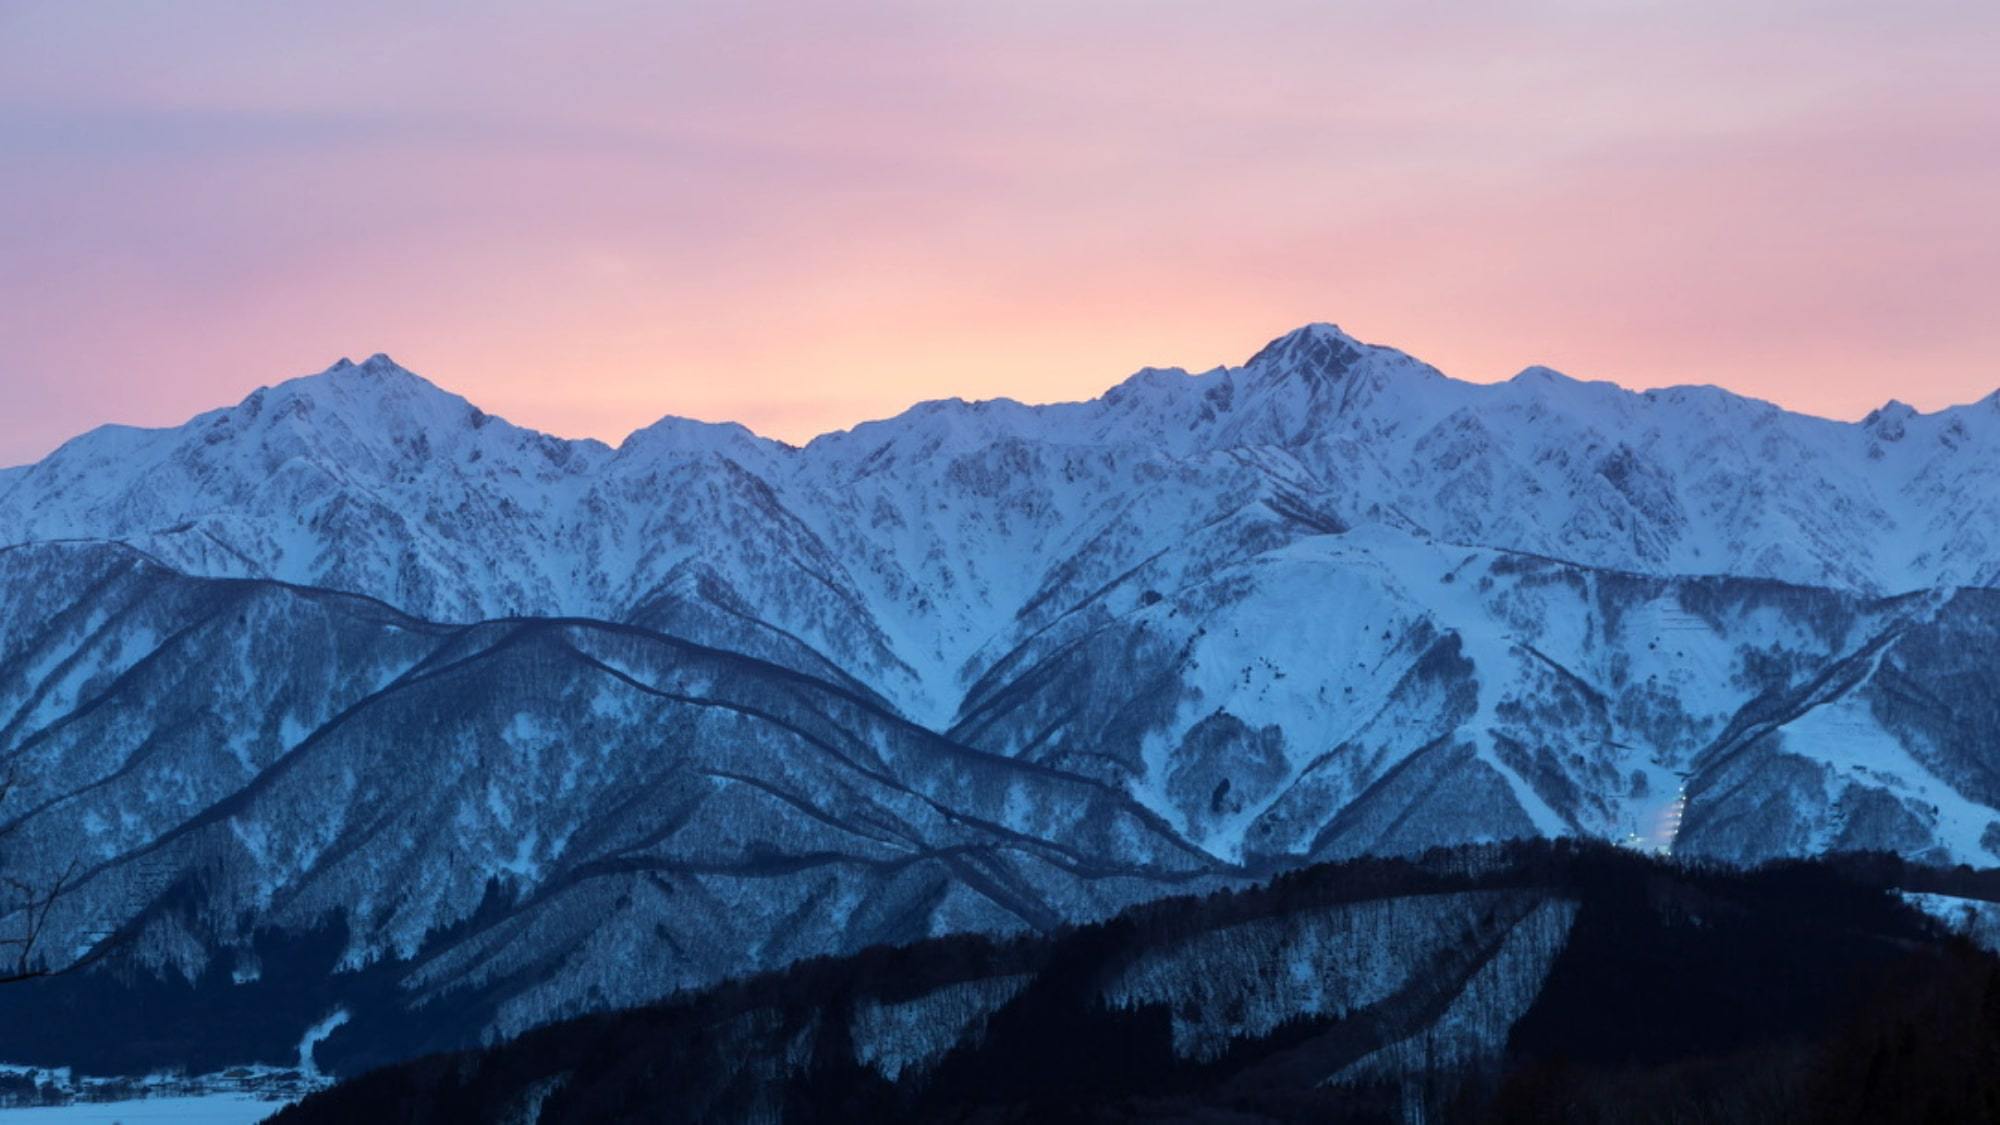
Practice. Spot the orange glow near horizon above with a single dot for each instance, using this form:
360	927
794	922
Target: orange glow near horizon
803	216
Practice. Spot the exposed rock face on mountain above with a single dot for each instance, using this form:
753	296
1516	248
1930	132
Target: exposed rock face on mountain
538	726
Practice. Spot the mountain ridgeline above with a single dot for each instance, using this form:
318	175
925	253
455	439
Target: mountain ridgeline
352	697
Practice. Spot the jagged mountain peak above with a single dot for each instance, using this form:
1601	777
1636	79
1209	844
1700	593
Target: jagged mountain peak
678	437
368	400
1539	375
1711	397
378	376
1317	331
1889	421
406	421
374	418
378	363
1317	349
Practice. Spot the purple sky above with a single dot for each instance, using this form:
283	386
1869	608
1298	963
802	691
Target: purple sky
799	215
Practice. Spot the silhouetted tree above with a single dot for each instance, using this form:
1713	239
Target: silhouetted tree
25	910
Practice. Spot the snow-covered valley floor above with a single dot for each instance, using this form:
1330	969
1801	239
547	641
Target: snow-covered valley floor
204	1109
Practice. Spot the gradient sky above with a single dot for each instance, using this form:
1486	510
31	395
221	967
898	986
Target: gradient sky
799	215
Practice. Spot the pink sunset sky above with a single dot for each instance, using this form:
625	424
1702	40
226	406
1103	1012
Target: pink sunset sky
800	215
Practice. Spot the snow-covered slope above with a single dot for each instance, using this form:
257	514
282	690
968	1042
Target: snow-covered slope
705	702
907	549
1451	987
549	814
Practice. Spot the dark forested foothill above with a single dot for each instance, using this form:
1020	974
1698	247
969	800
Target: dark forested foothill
1521	982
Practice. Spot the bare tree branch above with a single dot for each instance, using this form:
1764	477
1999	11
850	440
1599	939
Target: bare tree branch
25	945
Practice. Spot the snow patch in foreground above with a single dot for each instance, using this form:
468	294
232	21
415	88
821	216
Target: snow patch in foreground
209	1109
314	1036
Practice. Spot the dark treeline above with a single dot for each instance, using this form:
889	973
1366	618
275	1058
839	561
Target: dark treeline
1799	991
122	1017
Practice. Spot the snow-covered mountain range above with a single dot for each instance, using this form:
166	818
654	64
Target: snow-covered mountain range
563	725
